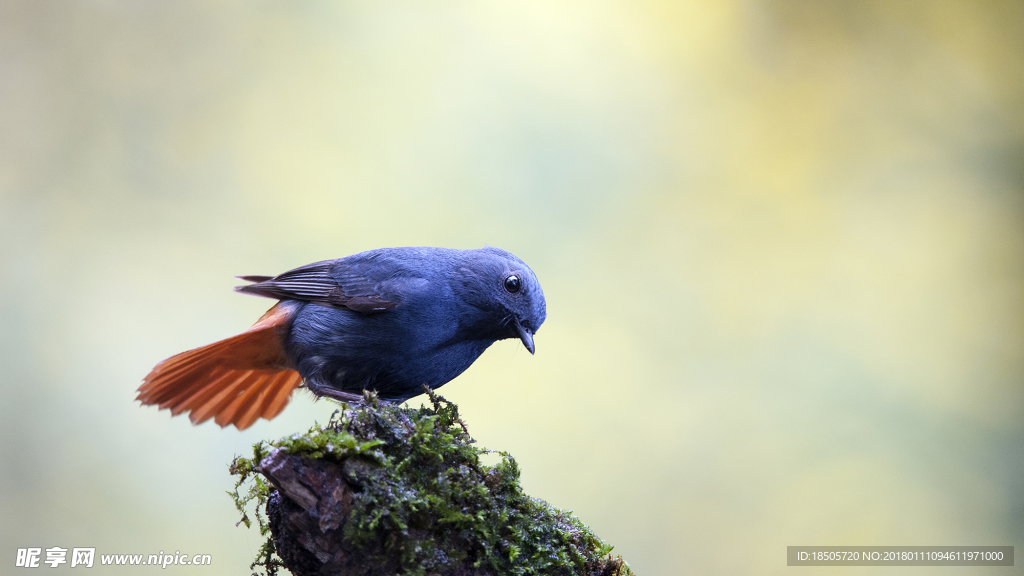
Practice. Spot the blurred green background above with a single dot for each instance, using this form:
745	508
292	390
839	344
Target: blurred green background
782	245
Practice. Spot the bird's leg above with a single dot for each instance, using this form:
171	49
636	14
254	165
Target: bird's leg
324	390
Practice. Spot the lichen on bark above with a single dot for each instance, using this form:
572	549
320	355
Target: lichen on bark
383	490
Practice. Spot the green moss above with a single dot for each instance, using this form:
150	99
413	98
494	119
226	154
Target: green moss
423	492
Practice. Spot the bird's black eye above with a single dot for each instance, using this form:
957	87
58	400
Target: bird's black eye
512	284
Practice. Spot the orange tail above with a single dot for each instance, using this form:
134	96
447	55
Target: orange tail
234	381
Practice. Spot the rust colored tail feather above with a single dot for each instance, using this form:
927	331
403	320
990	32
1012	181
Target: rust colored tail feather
235	381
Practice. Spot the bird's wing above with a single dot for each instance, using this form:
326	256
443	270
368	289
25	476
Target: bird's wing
334	283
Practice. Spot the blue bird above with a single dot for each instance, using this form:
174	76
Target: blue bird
389	320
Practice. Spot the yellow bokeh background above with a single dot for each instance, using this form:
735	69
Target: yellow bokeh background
782	245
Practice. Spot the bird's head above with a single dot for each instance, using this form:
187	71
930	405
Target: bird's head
506	293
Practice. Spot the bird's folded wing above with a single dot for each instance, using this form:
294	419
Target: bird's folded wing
322	283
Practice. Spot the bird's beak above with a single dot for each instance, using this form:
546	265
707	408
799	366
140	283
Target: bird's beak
525	336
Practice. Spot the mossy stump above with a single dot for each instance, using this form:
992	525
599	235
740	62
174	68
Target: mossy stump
384	490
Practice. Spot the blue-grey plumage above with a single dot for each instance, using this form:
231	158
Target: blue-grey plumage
394	319
389	320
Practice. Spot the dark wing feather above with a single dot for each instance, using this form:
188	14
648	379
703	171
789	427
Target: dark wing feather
327	283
